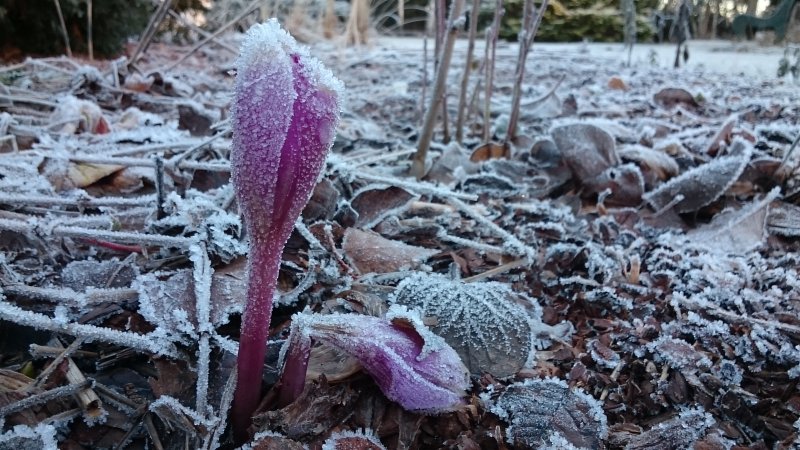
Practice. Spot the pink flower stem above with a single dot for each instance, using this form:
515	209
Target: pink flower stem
263	276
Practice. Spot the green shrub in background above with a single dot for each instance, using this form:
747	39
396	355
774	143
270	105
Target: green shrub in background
578	20
31	27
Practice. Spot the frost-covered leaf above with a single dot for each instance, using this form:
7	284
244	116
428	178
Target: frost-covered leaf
112	273
539	409
370	252
169	301
702	185
374	203
784	219
655	165
353	440
679	354
619	186
670	97
269	440
736	232
587	149
675	434
484	322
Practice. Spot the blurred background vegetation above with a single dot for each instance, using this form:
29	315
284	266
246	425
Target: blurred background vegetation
32	27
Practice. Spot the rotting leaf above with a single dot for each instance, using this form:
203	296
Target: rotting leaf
370	252
587	149
540	411
484	322
374	203
668	98
736	232
702	185
675	434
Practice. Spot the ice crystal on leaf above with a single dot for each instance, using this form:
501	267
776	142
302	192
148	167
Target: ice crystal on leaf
488	324
543	412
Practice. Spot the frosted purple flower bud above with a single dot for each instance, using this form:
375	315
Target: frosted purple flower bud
284	116
412	366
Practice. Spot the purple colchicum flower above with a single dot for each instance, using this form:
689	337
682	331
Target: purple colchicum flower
284	117
411	365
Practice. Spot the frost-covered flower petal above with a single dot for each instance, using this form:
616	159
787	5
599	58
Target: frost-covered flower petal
410	364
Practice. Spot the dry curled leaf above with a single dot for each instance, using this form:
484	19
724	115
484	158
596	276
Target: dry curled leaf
675	434
702	185
736	232
483	322
587	149
370	252
543	412
375	203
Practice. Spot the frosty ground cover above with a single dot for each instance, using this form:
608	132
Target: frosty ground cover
638	250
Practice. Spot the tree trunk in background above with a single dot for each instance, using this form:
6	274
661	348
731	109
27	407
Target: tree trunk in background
703	20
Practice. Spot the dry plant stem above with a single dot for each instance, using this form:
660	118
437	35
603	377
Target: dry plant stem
253	6
114	236
426	135
63	353
89	42
88	399
150	31
44	397
501	269
81	202
63	27
202	290
462	96
88	332
519	247
490	57
531	21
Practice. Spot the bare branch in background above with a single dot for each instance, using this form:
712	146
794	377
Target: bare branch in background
489	55
462	97
531	20
63	27
418	165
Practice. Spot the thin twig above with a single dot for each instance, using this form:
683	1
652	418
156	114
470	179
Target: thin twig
253	6
44	397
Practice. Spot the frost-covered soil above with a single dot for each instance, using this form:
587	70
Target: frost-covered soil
626	279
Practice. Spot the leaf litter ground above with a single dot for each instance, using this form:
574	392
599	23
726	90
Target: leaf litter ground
627	278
